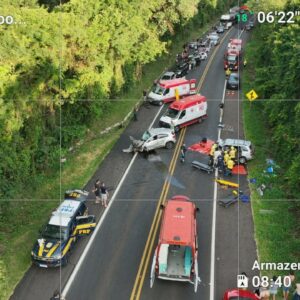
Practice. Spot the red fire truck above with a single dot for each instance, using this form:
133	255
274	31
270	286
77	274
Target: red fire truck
232	60
175	257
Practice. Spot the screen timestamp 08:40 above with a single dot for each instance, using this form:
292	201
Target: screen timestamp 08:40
281	17
267	282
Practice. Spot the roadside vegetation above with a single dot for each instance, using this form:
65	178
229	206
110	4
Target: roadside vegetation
111	52
272	123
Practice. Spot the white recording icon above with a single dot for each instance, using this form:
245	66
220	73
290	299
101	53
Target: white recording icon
242	281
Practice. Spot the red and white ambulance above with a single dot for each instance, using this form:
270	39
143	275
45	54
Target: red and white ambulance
175	257
236	45
165	90
189	110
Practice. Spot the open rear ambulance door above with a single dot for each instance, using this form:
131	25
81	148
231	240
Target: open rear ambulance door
197	279
152	274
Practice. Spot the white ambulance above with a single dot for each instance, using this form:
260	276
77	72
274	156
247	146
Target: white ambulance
165	90
184	112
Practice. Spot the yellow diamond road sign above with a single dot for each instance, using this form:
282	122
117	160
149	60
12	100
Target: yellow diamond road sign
252	95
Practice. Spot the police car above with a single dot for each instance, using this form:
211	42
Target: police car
69	221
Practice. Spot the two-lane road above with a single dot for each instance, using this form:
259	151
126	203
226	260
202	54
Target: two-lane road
110	268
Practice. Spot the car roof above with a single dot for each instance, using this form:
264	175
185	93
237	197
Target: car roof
178	223
161	130
239	293
64	213
235	142
234	75
169	73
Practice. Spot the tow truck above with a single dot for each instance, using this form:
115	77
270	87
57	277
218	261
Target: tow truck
176	255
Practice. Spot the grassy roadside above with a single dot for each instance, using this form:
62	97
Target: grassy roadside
22	219
274	219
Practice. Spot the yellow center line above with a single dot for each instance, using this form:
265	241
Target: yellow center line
156	225
157	213
139	281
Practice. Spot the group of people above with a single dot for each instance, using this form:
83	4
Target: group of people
101	192
223	160
270	293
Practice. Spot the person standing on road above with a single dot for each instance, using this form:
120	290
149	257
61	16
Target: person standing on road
287	283
57	296
220	163
104	194
183	150
96	190
217	153
230	165
232	153
172	125
274	288
227	73
297	292
135	110
226	157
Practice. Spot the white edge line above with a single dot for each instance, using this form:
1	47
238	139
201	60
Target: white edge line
103	216
213	229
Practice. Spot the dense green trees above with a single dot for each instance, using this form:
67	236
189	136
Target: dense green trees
55	57
277	77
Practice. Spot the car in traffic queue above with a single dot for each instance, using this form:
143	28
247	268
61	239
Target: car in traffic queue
176	255
233	82
220	29
239	294
215	39
248	27
168	76
194	59
67	223
182	69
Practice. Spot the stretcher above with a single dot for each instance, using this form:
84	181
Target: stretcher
201	166
228	201
227	183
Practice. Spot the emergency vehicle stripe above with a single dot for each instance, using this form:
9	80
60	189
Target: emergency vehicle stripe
67	246
52	250
41	249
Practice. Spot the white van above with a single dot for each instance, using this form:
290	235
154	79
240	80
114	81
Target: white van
184	112
165	90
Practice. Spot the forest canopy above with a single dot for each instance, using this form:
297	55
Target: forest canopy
56	56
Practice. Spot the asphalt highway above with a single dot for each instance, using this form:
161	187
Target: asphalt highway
109	271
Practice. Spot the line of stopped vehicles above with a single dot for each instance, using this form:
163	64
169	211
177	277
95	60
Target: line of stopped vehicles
175	257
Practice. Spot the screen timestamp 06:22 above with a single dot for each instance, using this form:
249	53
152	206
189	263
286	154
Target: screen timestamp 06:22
281	17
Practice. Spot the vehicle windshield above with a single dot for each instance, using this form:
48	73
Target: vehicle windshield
233	78
157	89
232	58
166	77
146	135
172	113
55	232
